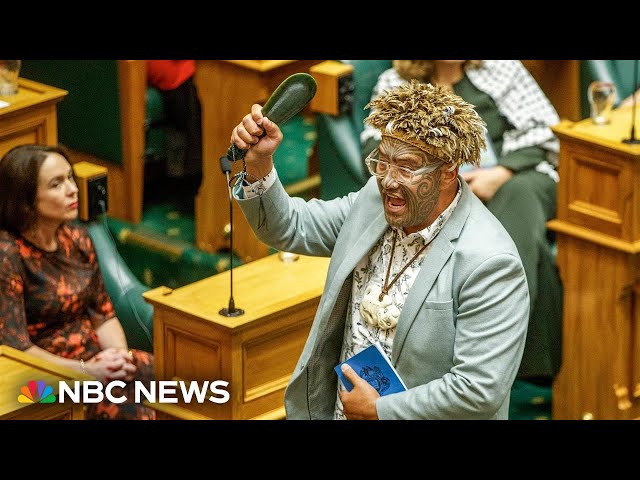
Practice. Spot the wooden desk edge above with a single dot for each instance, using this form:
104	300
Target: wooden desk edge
565	129
42	364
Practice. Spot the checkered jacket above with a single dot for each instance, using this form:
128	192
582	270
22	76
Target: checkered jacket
517	96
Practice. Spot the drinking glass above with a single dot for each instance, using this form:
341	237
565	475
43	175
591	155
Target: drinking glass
9	72
602	97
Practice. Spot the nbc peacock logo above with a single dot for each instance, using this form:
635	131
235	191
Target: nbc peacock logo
36	392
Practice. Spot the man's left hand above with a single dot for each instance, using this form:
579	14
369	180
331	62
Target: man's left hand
360	402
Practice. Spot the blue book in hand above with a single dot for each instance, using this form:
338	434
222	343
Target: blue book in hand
373	365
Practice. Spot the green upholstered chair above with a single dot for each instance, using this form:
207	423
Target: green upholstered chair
342	169
125	290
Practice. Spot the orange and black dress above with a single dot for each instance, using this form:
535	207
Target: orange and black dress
56	301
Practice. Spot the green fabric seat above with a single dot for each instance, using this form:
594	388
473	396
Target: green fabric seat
160	250
124	289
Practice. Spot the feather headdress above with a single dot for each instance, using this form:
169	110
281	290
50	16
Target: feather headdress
432	119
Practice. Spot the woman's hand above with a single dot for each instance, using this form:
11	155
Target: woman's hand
485	182
112	364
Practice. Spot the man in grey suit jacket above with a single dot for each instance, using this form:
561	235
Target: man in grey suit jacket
418	264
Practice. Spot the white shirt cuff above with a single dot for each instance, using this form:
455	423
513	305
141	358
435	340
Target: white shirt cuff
260	186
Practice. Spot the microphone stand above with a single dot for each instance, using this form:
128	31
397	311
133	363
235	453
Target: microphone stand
231	310
633	140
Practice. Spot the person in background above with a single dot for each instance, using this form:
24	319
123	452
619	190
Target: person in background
174	80
520	189
53	303
418	264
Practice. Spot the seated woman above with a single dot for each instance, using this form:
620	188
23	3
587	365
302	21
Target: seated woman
520	190
53	303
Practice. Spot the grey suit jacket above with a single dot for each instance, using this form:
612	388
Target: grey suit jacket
461	333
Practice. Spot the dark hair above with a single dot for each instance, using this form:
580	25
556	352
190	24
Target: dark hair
19	170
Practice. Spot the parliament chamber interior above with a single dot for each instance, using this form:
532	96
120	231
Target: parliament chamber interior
172	259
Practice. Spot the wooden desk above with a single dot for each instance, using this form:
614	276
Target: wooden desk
31	115
227	89
255	352
598	237
16	369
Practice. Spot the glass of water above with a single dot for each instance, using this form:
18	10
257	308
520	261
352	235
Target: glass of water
602	96
9	73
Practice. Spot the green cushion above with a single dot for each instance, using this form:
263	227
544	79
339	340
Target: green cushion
124	289
155	106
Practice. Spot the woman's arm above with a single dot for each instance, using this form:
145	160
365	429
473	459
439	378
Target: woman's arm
111	335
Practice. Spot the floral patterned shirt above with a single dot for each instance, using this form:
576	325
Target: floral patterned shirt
51	298
372	269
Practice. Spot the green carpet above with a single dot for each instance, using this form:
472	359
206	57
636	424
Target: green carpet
529	402
158	250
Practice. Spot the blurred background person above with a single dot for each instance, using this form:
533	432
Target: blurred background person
174	80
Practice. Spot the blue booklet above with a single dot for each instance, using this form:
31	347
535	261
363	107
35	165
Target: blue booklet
373	365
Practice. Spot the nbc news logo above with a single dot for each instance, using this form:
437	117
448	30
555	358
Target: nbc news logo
36	392
93	391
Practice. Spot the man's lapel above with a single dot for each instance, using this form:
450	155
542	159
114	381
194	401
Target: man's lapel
437	255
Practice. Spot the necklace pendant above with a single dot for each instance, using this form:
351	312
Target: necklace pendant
378	310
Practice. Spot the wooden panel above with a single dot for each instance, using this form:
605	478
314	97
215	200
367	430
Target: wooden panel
598	258
30	116
560	81
256	352
17	369
599	191
269	360
268	355
327	75
597	332
599	177
116	184
188	349
34	125
633	292
132	81
192	357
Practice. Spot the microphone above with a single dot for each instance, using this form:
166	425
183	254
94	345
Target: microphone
291	96
231	310
632	140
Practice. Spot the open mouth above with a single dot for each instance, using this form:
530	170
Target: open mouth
394	204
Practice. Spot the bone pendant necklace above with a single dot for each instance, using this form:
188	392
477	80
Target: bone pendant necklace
376	307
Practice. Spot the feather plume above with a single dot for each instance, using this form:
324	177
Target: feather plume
432	119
